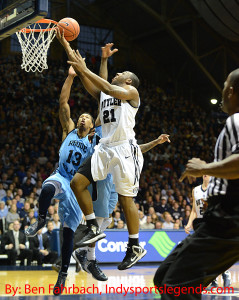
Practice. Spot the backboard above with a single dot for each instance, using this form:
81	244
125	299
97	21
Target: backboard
17	14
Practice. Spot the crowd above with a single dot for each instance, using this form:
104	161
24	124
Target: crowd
31	138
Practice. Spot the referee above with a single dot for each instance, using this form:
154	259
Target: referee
214	246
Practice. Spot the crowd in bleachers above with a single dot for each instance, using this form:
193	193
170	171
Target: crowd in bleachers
31	138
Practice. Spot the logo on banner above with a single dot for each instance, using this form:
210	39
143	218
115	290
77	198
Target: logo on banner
162	243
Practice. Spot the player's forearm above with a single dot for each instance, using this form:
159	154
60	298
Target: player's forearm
99	82
227	168
191	218
103	68
148	146
66	89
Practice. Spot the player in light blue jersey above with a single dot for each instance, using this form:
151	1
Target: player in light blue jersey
76	146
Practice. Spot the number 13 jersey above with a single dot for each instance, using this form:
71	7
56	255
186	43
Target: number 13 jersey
74	150
117	119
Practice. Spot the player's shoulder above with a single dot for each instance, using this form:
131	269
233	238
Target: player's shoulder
233	121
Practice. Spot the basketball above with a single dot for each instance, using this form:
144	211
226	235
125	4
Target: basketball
71	28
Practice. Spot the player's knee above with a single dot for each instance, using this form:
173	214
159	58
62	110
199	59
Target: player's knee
79	183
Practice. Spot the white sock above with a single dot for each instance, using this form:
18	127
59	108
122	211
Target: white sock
91	253
99	221
105	224
134	236
90	217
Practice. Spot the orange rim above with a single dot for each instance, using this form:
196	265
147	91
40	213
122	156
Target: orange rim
45	21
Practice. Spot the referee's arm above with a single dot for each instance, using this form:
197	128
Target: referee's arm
227	168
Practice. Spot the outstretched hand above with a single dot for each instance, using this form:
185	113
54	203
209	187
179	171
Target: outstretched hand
60	37
106	50
194	168
163	138
77	62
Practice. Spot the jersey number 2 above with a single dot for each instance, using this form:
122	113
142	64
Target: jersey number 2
109	116
77	157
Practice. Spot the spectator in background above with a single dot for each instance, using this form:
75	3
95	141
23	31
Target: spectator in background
12	215
27	187
163	207
50	214
24	211
9	196
142	218
117	218
168	224
40	245
175	211
56	222
158	225
14	245
3	210
148	224
27	219
2	192
120	224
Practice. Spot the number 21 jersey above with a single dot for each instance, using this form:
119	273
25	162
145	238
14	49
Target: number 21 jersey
117	119
199	195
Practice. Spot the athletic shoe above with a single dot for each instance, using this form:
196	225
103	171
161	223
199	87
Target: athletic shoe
56	268
214	283
60	284
93	234
80	258
133	254
227	281
93	268
33	229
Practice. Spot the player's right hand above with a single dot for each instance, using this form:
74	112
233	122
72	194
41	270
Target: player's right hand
60	37
187	229
106	50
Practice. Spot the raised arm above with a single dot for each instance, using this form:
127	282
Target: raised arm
88	85
192	216
106	53
160	140
129	92
64	110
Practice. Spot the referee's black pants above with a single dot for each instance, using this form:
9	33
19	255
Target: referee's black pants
195	262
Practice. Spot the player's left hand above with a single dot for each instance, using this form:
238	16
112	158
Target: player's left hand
194	168
77	62
163	138
106	50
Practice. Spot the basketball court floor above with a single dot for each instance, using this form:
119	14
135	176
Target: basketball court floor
38	284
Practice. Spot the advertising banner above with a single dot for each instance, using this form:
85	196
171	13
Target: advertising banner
157	243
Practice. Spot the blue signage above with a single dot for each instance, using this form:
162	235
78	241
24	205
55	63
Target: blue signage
158	244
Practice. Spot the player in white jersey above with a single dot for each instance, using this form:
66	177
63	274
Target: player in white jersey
199	194
117	152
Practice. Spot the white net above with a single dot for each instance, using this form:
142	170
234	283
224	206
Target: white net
35	44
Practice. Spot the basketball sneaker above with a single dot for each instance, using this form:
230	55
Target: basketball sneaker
60	284
133	254
56	267
80	258
93	234
33	229
93	268
214	283
227	281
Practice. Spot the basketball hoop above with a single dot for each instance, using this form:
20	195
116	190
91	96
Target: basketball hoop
35	42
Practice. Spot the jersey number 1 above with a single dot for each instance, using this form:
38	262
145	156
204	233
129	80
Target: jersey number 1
109	116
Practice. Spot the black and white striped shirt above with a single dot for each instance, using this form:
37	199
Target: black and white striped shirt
227	144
